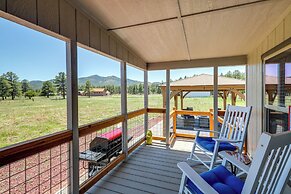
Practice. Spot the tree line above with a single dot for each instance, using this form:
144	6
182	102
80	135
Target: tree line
12	87
135	89
235	74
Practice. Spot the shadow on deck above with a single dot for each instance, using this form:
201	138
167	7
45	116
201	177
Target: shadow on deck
149	169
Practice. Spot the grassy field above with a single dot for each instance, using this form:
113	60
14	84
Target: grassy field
24	119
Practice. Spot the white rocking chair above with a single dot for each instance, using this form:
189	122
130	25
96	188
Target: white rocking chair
231	136
269	172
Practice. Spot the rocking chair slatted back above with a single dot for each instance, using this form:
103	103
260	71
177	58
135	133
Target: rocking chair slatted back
271	166
235	123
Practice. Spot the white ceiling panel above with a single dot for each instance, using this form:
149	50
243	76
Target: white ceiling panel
156	42
118	13
220	33
230	32
196	6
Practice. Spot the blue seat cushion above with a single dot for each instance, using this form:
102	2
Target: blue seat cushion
208	143
221	180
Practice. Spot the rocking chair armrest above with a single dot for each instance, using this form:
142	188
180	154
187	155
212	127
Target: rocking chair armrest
199	182
235	161
206	130
227	140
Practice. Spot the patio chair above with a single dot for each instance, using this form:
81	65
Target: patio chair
268	173
231	136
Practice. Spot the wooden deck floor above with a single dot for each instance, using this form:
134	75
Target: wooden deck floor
150	169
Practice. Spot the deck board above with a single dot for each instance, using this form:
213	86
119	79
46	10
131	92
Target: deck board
149	169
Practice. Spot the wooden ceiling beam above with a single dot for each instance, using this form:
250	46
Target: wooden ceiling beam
209	62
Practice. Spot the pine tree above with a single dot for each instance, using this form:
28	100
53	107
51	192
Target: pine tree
29	94
25	87
13	81
47	89
60	84
140	88
4	87
88	88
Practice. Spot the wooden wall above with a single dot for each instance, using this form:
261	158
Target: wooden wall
61	18
281	32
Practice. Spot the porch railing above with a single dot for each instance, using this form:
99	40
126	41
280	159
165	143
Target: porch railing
43	164
40	165
156	122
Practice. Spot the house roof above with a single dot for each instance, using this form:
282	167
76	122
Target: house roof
271	80
98	90
207	80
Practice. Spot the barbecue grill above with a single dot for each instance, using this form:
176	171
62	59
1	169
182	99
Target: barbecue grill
101	149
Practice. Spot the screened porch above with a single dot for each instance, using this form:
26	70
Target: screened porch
110	155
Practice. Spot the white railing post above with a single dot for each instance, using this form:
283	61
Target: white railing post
146	99
124	107
215	98
72	112
167	106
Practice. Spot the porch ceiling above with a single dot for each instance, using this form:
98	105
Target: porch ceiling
176	30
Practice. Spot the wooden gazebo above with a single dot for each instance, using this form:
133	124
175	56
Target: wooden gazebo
204	82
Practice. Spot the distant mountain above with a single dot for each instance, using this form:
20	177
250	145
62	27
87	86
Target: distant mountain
155	83
36	85
95	80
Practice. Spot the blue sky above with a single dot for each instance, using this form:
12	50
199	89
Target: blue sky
35	56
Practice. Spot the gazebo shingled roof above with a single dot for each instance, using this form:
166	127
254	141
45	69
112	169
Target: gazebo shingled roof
204	82
207	80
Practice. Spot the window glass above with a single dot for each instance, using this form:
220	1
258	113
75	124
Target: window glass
156	80
195	86
99	87
32	84
135	88
231	86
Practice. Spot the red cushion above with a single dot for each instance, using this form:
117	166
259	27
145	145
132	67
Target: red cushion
112	135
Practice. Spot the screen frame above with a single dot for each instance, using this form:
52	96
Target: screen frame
280	48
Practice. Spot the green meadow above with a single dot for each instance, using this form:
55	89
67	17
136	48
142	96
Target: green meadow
23	119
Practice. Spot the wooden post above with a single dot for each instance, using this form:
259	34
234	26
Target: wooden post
211	122
225	94
271	96
167	106
233	98
175	122
124	107
146	97
72	112
176	101
182	105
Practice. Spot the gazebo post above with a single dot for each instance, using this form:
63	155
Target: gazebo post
271	96
233	98
176	101
182	105
225	94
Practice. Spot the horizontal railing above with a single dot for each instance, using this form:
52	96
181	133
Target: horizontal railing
28	148
43	164
37	166
135	133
